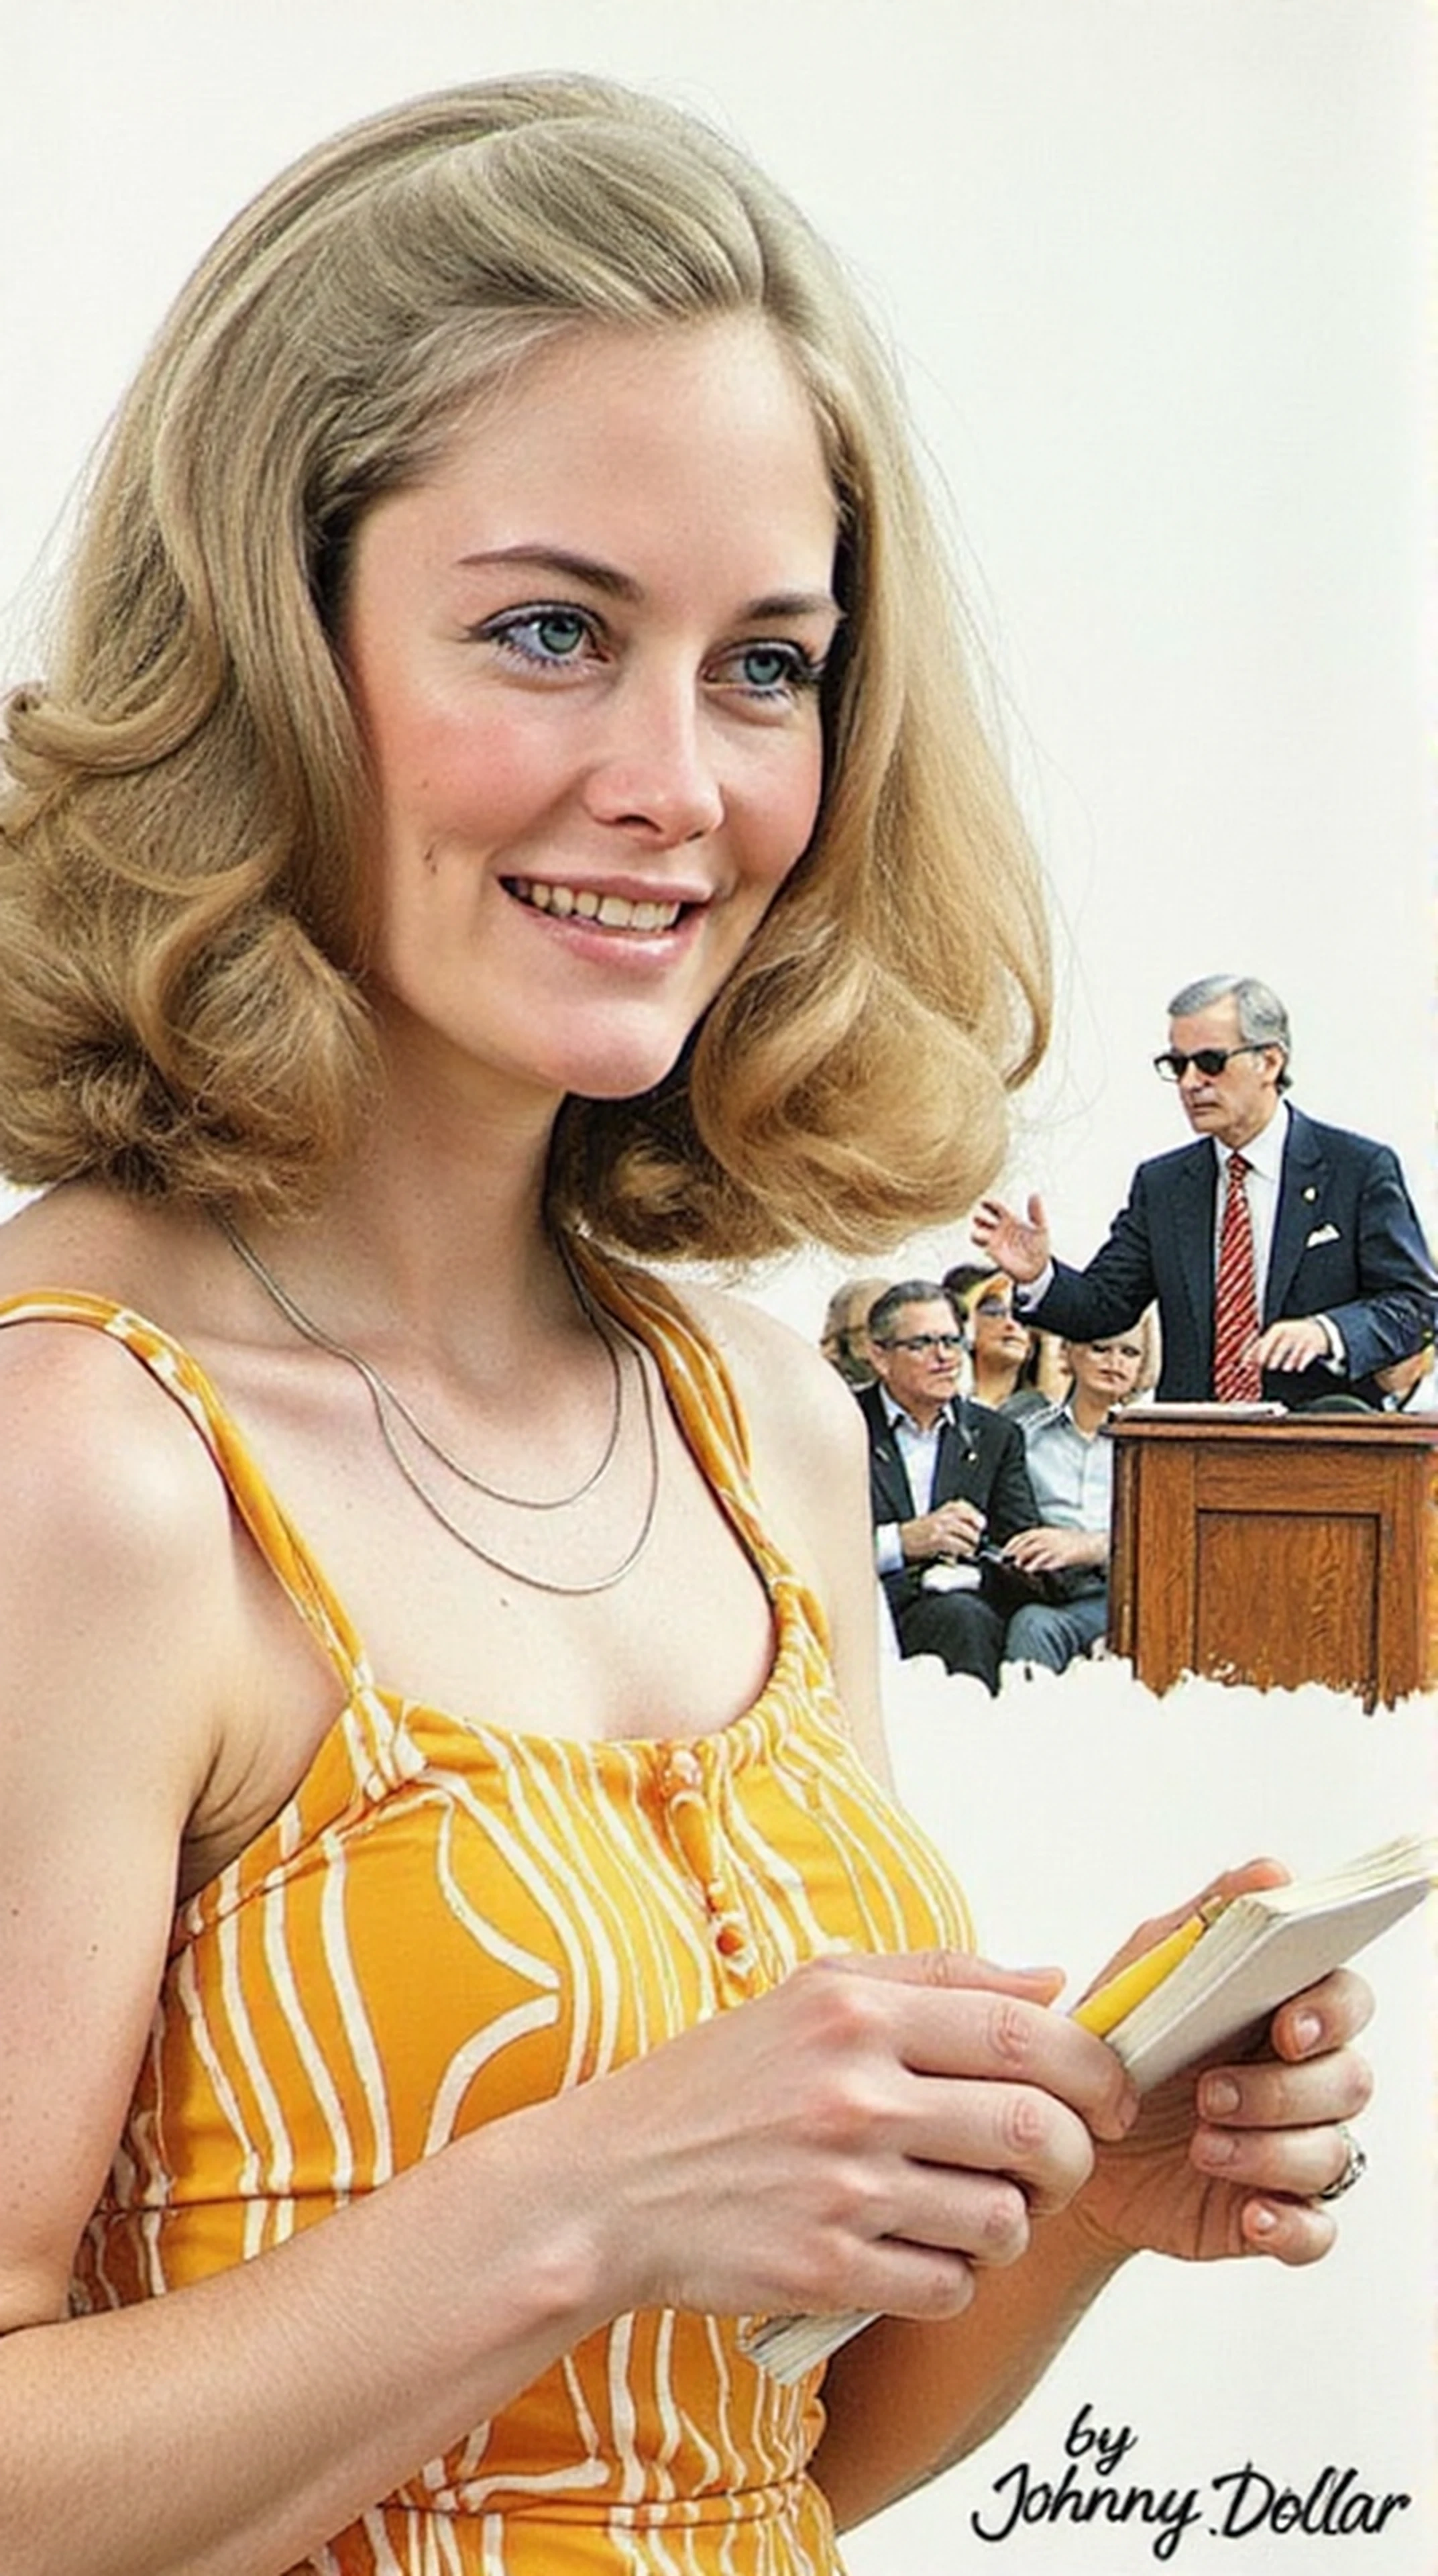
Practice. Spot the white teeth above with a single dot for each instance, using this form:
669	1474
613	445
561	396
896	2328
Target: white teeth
611	911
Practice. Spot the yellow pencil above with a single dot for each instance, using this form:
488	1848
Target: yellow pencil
1102	2011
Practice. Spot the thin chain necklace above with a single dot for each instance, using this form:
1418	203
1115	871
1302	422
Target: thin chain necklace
383	1393
387	1402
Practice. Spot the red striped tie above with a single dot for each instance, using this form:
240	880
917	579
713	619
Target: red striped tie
1235	1297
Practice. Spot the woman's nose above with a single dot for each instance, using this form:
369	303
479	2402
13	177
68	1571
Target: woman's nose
654	772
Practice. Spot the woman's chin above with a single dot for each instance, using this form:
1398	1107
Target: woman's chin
621	1072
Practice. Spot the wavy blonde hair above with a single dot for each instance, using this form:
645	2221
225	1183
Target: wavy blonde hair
183	901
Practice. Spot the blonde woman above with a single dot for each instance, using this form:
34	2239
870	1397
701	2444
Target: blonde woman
504	803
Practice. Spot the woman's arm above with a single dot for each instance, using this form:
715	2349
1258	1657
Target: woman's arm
224	2430
904	2400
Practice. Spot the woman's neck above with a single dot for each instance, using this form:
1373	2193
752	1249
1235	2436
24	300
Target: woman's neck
432	1236
1088	1410
993	1385
438	1214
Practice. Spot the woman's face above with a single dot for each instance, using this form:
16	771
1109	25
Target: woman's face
1106	1371
585	657
999	1339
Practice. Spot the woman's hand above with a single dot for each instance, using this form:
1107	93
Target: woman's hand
866	2136
1230	2158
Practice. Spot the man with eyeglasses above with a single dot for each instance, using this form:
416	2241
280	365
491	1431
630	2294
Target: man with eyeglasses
1286	1257
948	1487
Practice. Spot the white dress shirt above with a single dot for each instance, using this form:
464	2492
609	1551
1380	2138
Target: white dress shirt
919	1450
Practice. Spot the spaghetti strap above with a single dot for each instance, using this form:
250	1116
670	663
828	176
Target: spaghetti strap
185	1382
703	1397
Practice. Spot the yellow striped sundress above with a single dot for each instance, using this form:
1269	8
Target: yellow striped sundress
448	1921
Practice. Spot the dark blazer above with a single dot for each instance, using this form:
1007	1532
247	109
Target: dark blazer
1346	1243
981	1461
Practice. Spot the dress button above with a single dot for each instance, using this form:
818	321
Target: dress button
731	1940
685	1767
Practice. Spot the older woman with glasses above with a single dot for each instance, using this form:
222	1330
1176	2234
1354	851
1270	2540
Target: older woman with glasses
1012	1365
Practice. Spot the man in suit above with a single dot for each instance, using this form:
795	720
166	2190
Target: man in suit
1286	1257
947	1478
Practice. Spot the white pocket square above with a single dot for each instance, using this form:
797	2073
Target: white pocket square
1321	1234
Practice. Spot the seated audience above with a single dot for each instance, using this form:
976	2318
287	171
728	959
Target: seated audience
844	1339
1010	1363
1071	1471
948	1486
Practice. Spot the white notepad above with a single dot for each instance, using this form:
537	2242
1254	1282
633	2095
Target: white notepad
1264	1947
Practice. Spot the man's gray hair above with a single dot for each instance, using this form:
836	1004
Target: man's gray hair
906	1292
1262	1019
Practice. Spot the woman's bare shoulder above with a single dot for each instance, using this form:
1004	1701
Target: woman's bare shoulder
102	1480
788	1389
107	1491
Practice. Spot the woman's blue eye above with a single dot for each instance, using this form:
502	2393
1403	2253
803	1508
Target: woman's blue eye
540	635
771	670
765	667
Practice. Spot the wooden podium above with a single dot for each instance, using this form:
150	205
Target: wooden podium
1296	1548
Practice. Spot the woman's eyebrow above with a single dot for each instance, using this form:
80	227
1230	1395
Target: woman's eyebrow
796	603
569	566
559	559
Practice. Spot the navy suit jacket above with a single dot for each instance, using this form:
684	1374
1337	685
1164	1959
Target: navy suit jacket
1346	1243
981	1461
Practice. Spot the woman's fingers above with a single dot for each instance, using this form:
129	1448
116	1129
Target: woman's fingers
1300	2163
1293	2232
1011	2130
1323	2017
946	2013
1274	2128
857	2138
1269	2093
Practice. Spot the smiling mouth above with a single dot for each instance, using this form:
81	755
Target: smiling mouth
581	903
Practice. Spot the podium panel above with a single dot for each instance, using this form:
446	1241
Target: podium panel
1277	1551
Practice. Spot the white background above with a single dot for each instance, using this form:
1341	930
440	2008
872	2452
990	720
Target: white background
1156	269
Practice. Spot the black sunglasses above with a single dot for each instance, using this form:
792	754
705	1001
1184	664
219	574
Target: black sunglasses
1173	1064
